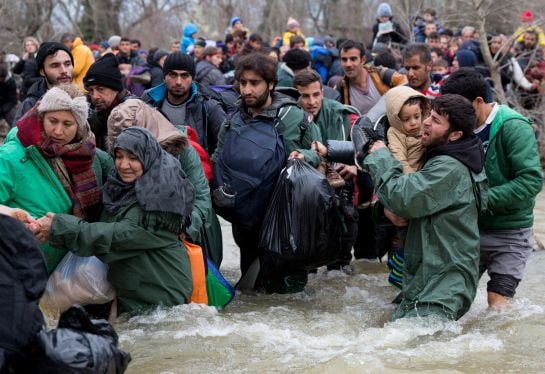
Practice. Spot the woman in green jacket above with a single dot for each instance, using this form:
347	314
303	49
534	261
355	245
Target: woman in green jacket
49	162
147	200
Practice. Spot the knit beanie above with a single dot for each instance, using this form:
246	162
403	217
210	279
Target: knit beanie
48	49
234	20
466	58
56	99
105	72
179	61
527	16
384	10
297	59
293	23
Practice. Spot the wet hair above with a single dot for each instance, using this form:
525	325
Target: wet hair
306	77
459	112
420	49
352	44
466	82
260	64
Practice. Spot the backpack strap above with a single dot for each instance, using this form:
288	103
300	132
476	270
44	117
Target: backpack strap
303	125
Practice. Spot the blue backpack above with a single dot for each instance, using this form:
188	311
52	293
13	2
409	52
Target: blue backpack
247	168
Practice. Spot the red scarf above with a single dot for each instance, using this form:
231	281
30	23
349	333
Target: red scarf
72	164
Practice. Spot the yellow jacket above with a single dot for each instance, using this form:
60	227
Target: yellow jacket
83	59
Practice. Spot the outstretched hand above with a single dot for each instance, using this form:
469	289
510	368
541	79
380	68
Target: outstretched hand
44	228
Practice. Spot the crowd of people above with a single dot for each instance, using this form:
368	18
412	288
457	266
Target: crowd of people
129	155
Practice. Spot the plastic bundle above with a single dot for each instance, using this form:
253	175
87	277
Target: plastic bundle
80	345
78	281
302	226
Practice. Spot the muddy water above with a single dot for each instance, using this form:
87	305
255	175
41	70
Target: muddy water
340	324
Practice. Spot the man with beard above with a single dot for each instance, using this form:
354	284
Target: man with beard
515	178
187	103
56	66
441	203
261	106
104	85
418	64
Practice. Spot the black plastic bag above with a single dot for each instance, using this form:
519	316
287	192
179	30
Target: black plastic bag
302	225
80	345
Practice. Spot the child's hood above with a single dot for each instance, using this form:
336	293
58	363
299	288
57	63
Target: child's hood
395	98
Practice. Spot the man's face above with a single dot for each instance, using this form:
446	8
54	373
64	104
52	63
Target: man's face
124	47
418	73
530	40
255	44
68	44
254	90
135	47
352	63
175	46
311	97
198	51
215	59
57	69
435	130
300	45
443	43
178	83
429	28
467	35
101	97
434	43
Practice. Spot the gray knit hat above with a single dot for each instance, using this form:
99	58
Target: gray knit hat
57	98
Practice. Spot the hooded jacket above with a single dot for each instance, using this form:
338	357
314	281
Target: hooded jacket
28	182
514	172
83	59
35	92
187	38
406	148
441	271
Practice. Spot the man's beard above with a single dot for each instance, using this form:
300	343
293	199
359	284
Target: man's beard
260	101
438	142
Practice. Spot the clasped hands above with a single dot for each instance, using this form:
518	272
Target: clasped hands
41	228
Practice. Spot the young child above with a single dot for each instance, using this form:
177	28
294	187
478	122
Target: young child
405	108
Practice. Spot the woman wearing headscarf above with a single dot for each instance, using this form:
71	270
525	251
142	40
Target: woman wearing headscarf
49	162
147	201
205	228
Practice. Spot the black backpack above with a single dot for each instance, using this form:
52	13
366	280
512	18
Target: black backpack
248	166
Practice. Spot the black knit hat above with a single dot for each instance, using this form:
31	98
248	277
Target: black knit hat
297	59
48	49
179	61
105	72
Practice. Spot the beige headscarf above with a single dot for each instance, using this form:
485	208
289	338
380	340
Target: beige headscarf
135	112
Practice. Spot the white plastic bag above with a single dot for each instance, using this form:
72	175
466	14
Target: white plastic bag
78	280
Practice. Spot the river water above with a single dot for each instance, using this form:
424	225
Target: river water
340	324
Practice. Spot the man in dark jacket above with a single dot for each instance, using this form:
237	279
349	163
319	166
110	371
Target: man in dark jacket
155	61
514	177
187	103
104	84
208	72
56	66
441	271
8	96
